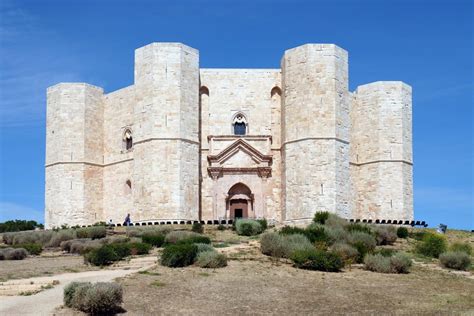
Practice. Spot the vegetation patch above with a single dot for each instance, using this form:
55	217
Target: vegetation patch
385	235
313	259
321	217
398	263
32	248
283	246
462	247
402	232
96	299
186	237
13	254
198	228
211	259
248	227
432	245
457	260
179	255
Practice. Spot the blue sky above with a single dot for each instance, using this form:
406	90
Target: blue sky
428	44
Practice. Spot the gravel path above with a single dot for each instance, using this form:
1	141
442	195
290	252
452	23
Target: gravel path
45	302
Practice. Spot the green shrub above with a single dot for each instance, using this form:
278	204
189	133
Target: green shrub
283	246
314	232
138	248
121	250
398	263
248	227
95	299
263	223
179	255
336	234
348	253
418	234
402	232
33	249
154	240
321	217
61	236
211	259
133	231
462	247
13	254
385	235
204	247
221	227
363	242
458	260
335	221
198	228
290	230
356	227
317	260
102	256
94	232
386	252
186	237
432	245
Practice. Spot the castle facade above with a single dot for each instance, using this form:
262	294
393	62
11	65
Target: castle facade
185	143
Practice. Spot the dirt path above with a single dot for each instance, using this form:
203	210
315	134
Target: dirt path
46	301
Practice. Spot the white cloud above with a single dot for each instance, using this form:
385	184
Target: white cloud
12	211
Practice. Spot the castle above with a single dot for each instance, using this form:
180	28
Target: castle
185	143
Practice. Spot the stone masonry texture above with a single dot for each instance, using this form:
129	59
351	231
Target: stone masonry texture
166	149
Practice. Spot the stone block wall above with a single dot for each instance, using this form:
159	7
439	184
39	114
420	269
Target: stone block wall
315	131
381	152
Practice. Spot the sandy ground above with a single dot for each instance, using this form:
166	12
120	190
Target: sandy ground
45	302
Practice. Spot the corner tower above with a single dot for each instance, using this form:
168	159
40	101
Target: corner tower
74	155
381	151
166	142
315	131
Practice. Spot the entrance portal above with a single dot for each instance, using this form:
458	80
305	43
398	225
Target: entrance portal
239	201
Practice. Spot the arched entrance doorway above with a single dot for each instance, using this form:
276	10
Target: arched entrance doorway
239	201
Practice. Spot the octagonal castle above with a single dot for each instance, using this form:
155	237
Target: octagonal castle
185	143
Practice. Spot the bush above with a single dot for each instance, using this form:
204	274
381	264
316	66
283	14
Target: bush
399	263
356	227
220	227
248	227
33	249
102	256
263	223
458	260
283	246
19	225
154	240
94	232
336	234
96	299
180	255
61	236
335	221
314	232
186	237
432	245
317	260
13	254
363	242
386	252
211	259
138	248
418	234
348	253
402	232
198	228
140	231
385	235
462	247
321	217
204	247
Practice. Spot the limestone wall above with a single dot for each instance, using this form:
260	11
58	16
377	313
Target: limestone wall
315	131
166	113
74	146
381	152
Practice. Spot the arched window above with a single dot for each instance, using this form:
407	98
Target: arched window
128	187
127	139
239	124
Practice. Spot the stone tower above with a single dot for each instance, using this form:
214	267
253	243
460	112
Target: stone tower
315	133
74	154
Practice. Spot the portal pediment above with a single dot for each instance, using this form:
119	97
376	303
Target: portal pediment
240	157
